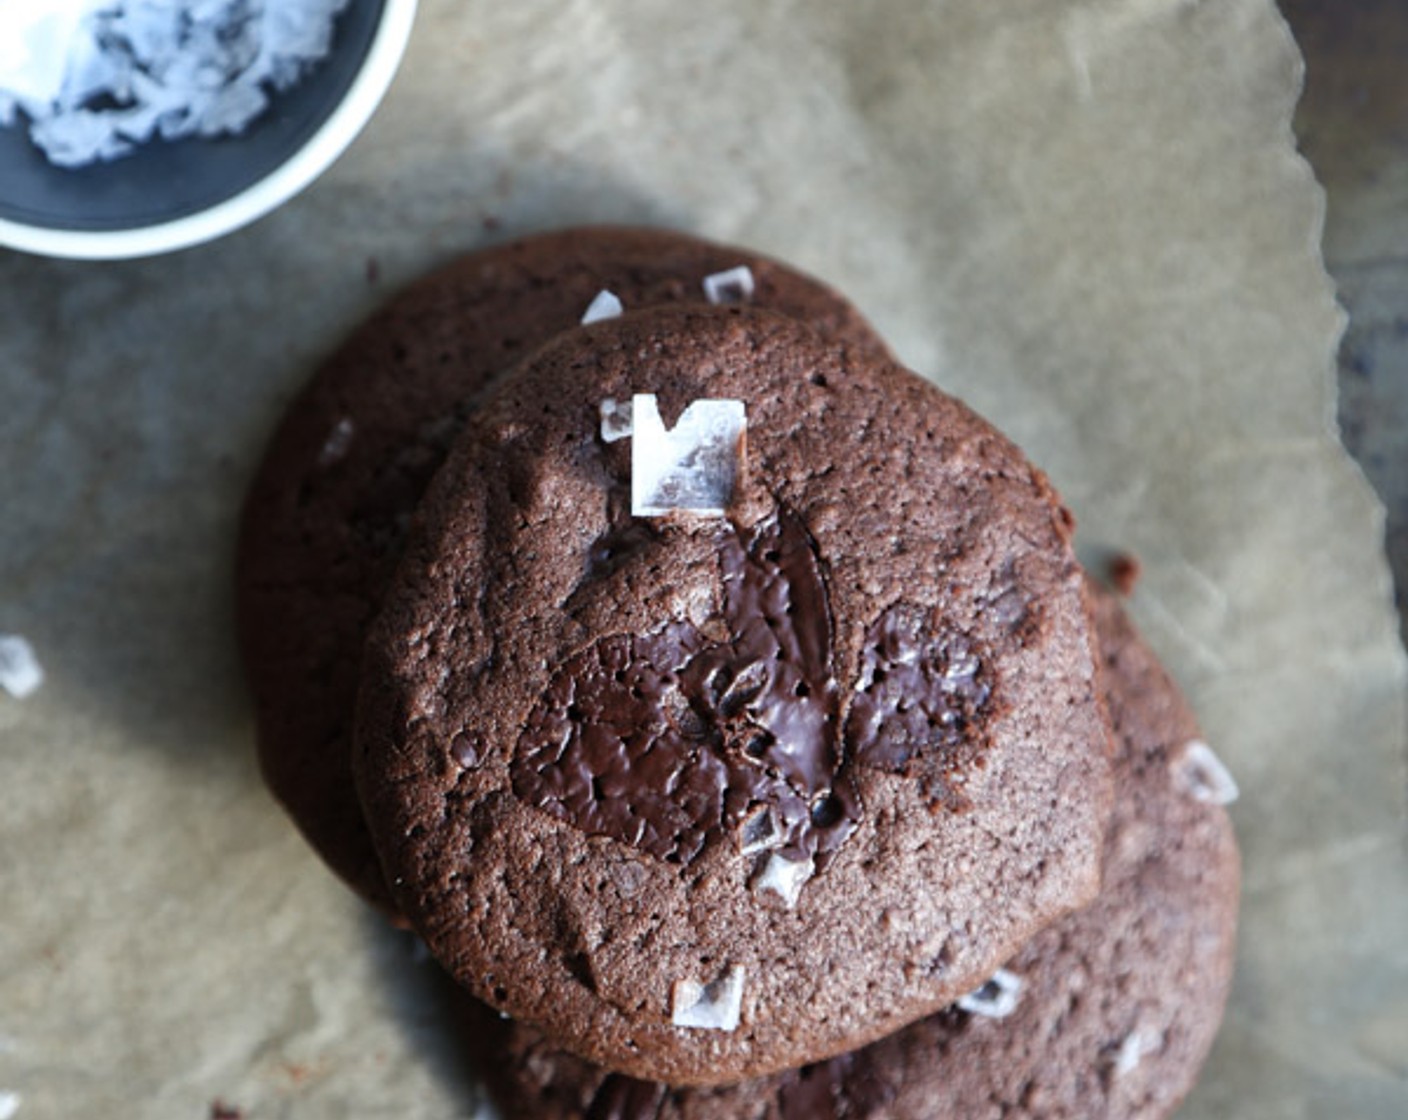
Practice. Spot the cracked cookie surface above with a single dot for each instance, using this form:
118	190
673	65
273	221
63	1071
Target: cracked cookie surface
1117	1006
871	684
327	514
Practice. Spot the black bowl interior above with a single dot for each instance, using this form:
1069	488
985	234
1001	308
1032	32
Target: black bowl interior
163	181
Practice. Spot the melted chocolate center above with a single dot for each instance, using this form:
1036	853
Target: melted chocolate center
918	702
669	741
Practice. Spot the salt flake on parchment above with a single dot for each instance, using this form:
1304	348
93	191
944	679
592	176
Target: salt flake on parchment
20	671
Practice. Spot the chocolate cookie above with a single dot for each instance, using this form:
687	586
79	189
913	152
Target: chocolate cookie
1117	1005
326	515
705	797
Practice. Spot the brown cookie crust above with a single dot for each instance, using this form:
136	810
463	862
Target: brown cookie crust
926	526
1143	972
326	515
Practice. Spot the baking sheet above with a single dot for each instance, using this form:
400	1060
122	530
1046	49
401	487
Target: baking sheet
1086	217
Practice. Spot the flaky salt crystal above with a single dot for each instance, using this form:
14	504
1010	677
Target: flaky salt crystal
732	286
717	1006
20	672
604	305
9	1104
97	77
784	877
615	420
338	443
1201	774
692	467
1137	1045
996	999
759	832
34	45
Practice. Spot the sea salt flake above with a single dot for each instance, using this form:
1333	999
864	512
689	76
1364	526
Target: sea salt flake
716	1006
34	45
692	467
78	138
96	77
615	420
732	286
1137	1045
604	305
231	109
759	832
94	72
996	999
338	442
9	1104
20	671
784	877
1201	774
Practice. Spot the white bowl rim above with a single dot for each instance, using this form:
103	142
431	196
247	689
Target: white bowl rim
298	171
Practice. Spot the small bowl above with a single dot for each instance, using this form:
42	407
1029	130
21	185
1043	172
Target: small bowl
171	195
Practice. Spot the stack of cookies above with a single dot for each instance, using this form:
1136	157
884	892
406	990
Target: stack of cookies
724	705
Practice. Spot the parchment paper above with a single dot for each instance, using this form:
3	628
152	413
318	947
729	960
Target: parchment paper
1084	216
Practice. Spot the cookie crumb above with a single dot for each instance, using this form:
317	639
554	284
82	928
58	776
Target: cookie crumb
615	420
604	305
1123	570
732	286
784	877
996	999
219	1110
692	467
716	1006
20	671
1201	774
